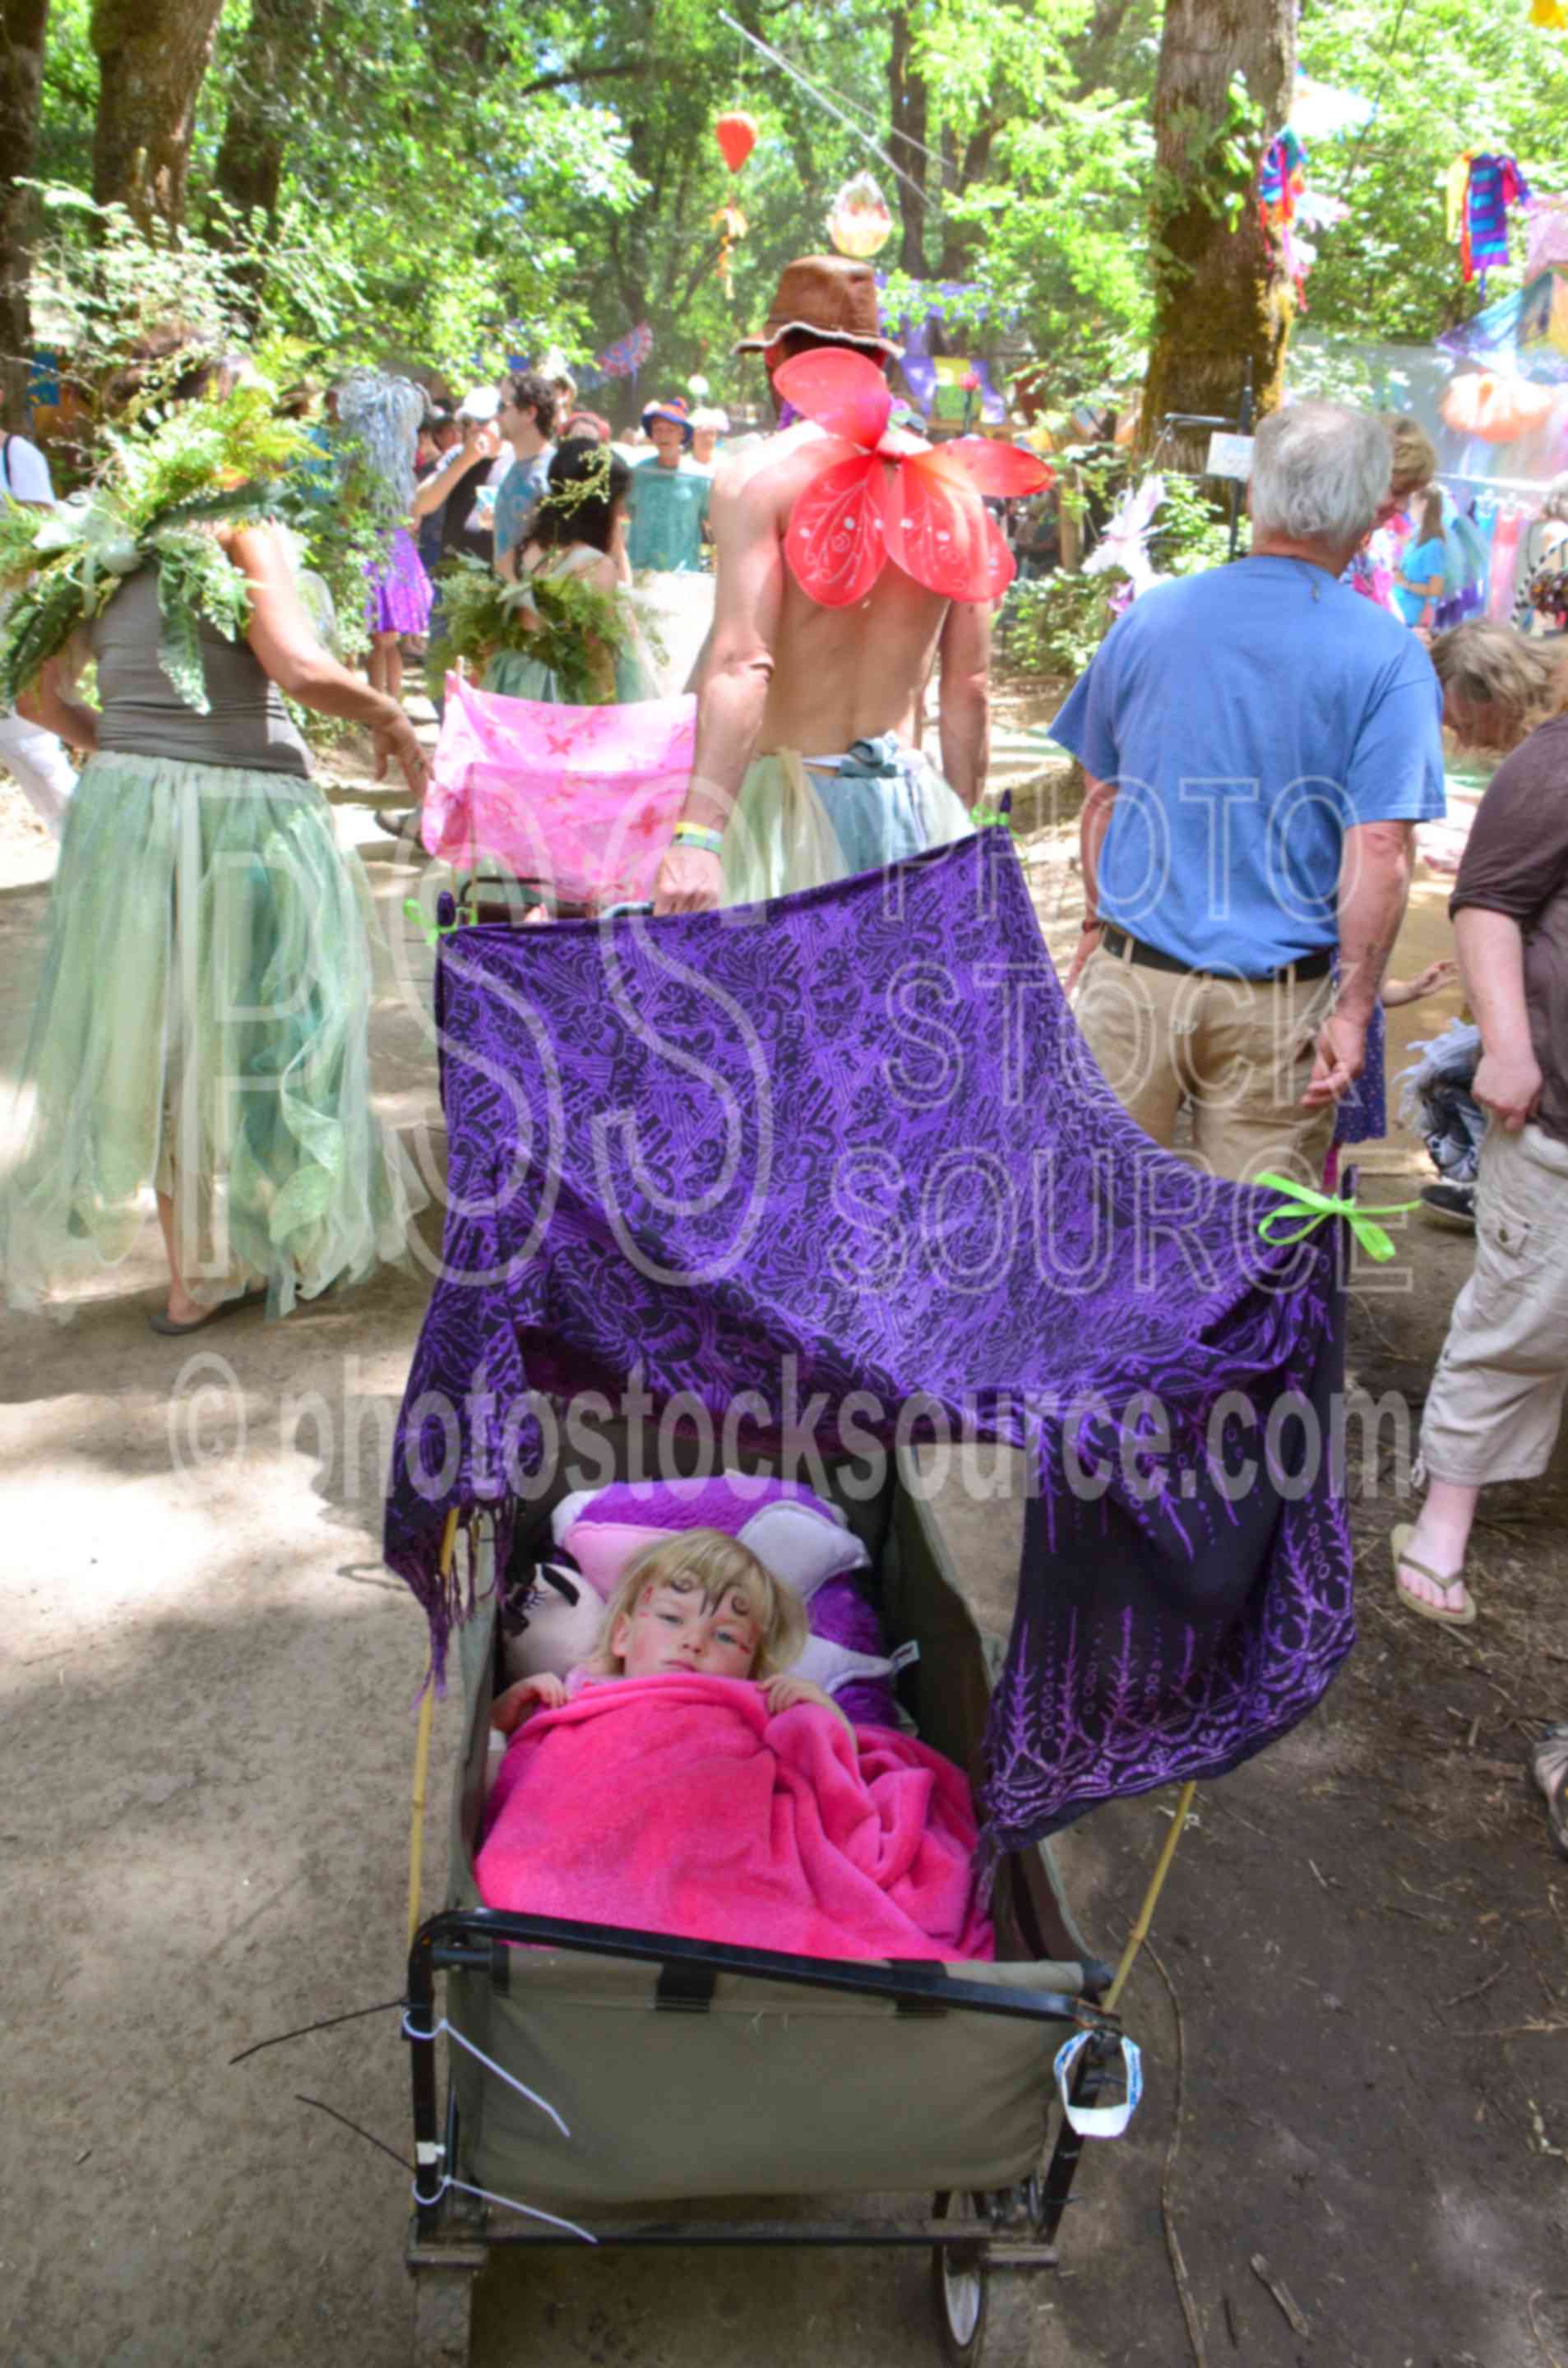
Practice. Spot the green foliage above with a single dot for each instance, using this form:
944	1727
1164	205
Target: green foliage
459	187
1053	624
1446	75
569	626
170	474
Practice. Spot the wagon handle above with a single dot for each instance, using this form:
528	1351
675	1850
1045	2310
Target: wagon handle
1140	1931
422	1752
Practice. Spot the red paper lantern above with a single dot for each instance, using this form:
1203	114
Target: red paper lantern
736	135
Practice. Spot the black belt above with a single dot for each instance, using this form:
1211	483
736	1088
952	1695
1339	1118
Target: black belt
1117	943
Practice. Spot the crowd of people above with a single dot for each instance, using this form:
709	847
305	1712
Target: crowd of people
1259	743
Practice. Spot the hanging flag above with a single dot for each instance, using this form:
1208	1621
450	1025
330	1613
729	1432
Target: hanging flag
1479	188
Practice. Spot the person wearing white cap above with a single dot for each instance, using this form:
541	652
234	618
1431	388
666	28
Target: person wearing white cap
708	424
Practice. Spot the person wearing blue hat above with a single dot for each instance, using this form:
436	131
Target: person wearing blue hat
669	496
668	509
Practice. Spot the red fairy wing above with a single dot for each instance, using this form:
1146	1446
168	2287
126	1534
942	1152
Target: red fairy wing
937	527
1002	471
834	543
838	389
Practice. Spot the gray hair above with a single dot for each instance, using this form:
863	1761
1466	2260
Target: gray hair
1319	470
1555	506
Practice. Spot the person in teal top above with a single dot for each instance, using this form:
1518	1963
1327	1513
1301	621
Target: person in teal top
669	497
1422	569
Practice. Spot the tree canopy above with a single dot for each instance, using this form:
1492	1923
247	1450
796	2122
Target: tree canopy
440	183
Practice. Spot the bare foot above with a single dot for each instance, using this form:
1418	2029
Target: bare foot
183	1309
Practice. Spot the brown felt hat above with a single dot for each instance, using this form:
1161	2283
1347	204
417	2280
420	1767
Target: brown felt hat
831	294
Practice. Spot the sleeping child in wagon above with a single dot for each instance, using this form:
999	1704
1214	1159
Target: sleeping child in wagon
682	1780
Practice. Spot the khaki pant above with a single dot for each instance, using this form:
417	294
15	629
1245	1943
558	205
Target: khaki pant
1496	1396
1241	1053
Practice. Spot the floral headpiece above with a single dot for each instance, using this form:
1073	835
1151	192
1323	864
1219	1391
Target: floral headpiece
889	495
593	485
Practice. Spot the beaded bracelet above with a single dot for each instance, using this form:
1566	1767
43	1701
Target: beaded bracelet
696	834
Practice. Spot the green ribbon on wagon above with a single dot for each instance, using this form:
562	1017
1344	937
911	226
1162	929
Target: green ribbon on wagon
1312	1209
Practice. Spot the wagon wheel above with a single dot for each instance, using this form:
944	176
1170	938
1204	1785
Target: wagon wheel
983	2317
443	2317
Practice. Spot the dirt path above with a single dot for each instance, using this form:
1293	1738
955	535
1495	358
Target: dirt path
206	1751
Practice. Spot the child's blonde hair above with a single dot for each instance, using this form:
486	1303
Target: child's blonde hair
1414	462
708	1563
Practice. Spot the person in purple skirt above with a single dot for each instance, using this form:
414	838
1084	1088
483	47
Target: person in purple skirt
399	604
384	416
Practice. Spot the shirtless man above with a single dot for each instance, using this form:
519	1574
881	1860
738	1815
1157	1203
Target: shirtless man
792	680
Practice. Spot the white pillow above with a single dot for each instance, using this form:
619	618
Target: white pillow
804	1547
831	1665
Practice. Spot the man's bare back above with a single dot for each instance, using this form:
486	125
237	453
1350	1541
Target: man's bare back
838	674
783	673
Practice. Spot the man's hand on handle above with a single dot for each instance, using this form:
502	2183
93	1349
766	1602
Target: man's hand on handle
690	881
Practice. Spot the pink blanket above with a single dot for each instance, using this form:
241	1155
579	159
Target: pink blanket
679	1804
583	798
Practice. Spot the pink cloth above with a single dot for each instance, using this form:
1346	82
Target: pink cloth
580	798
678	1805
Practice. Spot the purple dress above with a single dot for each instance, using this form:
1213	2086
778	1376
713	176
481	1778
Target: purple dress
400	591
1363	1115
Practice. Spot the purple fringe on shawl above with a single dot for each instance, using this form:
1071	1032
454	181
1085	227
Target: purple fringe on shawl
853	1142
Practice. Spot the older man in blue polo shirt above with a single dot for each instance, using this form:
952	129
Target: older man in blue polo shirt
1260	744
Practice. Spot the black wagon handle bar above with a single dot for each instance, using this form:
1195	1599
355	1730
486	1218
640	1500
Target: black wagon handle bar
465	1937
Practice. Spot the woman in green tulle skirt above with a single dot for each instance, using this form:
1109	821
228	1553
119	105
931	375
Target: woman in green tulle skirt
201	1031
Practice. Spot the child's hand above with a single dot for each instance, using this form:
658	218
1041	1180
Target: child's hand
788	1693
1410	990
508	1710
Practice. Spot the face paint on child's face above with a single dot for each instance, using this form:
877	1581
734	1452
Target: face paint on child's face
672	1630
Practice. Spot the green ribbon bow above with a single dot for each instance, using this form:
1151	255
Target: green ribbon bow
431	931
1313	1208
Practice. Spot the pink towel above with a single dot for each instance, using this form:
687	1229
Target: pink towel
678	1805
582	798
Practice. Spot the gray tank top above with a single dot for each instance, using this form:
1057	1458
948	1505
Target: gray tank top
143	715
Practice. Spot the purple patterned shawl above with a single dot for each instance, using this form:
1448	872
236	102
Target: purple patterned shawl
853	1142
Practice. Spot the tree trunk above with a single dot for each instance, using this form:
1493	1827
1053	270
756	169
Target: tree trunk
906	143
151	55
1223	301
264	90
962	168
22	24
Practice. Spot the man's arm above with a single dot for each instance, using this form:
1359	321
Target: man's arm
964	655
1492	958
1374	884
734	690
1516	862
1099	797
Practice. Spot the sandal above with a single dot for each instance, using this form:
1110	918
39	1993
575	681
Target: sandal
1461	1615
162	1321
1547	1765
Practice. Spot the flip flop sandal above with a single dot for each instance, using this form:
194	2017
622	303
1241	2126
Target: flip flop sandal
1463	1616
1547	1765
161	1321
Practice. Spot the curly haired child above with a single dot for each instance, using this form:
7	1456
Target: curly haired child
697	1604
